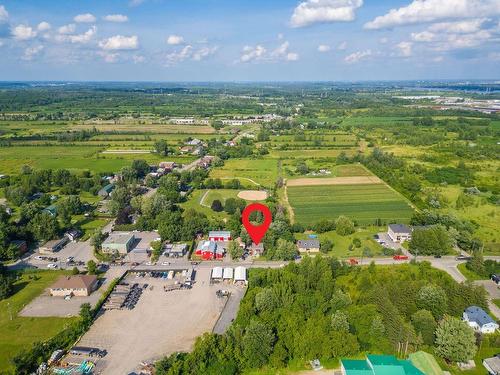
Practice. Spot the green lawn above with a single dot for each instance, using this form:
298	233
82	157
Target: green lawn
20	332
363	203
261	171
341	243
468	274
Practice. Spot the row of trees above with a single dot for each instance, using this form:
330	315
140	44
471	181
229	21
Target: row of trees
322	308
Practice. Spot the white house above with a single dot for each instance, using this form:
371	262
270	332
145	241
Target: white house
479	320
399	232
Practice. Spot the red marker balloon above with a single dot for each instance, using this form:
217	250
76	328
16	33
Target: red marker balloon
256	232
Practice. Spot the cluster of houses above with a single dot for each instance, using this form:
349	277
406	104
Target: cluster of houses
189	121
238	121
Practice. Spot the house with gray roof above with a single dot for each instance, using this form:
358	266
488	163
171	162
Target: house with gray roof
479	320
308	246
399	232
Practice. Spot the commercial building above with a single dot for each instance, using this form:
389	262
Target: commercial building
209	250
175	250
79	285
399	232
52	246
118	243
479	320
219	235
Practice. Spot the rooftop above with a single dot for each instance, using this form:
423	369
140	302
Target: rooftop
478	315
74	282
308	243
118	238
400	228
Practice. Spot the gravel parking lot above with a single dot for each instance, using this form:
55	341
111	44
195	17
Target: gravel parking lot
161	323
46	305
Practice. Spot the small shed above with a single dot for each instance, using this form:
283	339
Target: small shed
228	273
240	275
217	274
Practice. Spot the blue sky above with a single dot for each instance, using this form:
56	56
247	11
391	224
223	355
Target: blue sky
253	40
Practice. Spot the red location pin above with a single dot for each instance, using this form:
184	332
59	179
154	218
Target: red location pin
256	232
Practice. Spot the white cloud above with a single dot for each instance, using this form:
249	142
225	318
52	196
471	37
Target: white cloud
405	49
315	11
174	40
78	38
260	53
116	18
324	48
342	46
109	57
1	43
357	56
455	35
280	36
31	52
204	52
419	11
85	18
383	40
4	15
252	53
43	26
67	29
438	59
459	27
23	32
188	53
137	59
120	42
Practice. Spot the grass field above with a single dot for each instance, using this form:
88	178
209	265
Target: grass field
363	203
468	274
341	243
20	332
262	171
71	157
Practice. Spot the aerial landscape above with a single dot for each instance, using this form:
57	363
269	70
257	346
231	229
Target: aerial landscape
286	187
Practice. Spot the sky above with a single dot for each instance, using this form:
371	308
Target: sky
249	40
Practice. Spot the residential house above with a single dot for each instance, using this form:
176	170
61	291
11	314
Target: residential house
186	149
73	234
492	365
399	232
194	142
479	320
308	246
182	120
219	235
378	365
52	246
206	161
51	210
106	191
256	250
118	243
167	166
209	250
78	285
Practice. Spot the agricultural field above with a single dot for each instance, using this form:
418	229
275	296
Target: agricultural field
363	203
251	172
20	332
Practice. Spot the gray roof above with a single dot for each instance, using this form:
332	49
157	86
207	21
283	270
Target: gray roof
219	233
493	363
478	315
205	245
118	238
308	244
400	228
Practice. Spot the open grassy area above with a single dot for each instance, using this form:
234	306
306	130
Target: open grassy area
468	274
20	332
341	243
363	203
261	171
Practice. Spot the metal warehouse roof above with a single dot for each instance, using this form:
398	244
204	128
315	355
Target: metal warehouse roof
240	274
400	228
217	273
228	273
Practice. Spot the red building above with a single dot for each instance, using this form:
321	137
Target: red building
209	250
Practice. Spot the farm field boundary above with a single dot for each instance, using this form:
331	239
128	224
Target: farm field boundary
354	180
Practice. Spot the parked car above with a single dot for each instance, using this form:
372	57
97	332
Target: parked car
495	278
400	257
353	262
51	265
462	257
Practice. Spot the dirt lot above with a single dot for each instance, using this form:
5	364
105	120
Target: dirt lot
161	323
356	180
252	195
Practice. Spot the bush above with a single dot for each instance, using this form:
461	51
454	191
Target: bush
217	206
